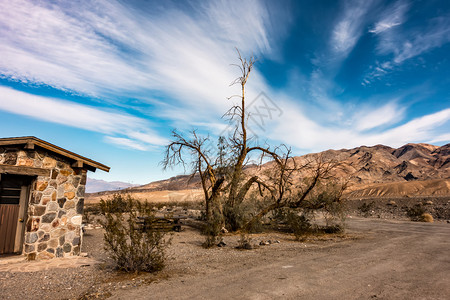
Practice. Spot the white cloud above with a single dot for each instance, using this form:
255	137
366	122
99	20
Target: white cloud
387	114
78	116
349	28
393	16
126	143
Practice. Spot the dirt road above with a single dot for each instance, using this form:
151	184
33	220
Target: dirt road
386	260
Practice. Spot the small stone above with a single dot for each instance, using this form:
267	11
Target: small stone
42	247
80	191
63	220
69	204
41	185
45	255
45	238
54	196
29	248
76	181
55	223
61	202
45	200
66	172
55	173
51	250
38	210
71	227
48	163
76	220
61	213
70	236
80	206
76	241
69	195
62	240
53	243
58	232
36	197
67	247
221	244
52	206
61	179
48	218
59	252
31	237
76	250
31	256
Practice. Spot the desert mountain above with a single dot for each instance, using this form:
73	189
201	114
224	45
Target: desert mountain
97	185
411	170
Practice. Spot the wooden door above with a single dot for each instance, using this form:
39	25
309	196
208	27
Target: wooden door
13	201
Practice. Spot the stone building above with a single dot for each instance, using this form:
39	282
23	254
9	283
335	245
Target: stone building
41	198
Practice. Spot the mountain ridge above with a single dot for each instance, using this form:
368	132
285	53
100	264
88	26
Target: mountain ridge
364	166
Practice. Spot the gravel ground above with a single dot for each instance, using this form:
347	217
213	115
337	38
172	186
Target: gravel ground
189	262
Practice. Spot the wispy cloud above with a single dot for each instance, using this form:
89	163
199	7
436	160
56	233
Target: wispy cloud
402	43
393	16
437	34
387	114
109	50
80	116
349	28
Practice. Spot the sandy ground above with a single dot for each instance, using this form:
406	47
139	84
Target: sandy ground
379	259
375	259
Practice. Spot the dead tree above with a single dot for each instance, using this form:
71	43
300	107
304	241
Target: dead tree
220	178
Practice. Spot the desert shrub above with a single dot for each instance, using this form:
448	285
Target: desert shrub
298	224
133	247
415	213
212	231
366	209
244	242
426	217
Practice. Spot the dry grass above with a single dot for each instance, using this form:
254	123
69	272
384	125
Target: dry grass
426	217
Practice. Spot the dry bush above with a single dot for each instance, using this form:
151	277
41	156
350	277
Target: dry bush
415	213
426	217
133	247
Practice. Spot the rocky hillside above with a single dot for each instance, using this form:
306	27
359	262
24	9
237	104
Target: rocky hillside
411	170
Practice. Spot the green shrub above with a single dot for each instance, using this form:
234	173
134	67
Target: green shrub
133	247
299	225
212	231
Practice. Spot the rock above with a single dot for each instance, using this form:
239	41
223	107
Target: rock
76	220
41	185
38	210
52	207
221	244
67	247
69	195
80	206
61	201
31	237
48	163
263	243
48	218
224	230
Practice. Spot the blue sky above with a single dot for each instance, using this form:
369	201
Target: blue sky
110	79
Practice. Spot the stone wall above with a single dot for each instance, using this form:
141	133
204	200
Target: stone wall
55	209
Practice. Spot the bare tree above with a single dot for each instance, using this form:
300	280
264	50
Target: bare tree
224	183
